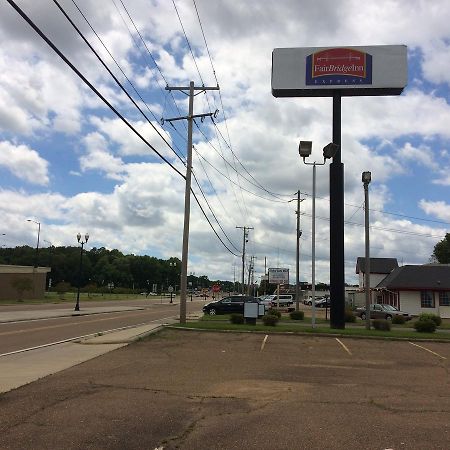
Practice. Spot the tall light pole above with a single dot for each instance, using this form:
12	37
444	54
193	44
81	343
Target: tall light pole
172	264
50	263
37	245
305	149
366	178
297	255
86	237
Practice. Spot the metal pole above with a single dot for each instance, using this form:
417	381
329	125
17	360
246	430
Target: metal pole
337	277
77	305
313	250
243	263
187	208
367	268
37	245
297	255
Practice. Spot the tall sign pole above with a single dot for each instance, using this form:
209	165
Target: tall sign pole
337	275
336	72
187	193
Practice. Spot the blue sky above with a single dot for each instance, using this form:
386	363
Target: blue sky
68	162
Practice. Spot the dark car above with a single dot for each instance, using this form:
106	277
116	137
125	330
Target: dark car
228	305
323	303
382	311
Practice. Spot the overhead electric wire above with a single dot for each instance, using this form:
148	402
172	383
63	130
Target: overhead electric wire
87	82
84	79
238	173
148	51
112	75
231	181
212	212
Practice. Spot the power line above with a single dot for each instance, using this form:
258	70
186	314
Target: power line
88	83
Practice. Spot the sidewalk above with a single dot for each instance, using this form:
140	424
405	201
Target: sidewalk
20	368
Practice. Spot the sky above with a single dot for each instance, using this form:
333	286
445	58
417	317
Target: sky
70	163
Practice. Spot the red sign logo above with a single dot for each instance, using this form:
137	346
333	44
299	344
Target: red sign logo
339	66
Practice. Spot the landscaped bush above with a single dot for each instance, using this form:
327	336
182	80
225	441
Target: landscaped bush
398	320
273	312
435	318
297	315
425	325
350	316
270	320
381	324
237	318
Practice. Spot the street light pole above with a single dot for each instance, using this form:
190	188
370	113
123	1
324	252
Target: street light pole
305	149
86	237
37	245
366	178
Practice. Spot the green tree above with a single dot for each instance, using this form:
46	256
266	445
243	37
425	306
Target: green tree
441	252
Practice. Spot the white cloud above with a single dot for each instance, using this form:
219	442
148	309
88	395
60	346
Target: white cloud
24	163
439	209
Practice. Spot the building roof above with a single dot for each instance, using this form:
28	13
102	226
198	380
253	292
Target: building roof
428	276
6	268
377	265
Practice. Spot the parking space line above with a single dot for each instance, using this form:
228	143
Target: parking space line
264	342
428	350
344	346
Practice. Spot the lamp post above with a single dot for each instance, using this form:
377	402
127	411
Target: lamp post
305	149
172	264
50	263
37	245
80	241
366	178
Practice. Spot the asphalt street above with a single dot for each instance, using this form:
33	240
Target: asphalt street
201	390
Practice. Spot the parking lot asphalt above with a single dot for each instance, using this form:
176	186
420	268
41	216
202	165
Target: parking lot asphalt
200	390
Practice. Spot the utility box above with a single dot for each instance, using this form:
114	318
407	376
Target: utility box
251	312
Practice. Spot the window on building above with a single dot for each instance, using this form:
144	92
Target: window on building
426	299
444	298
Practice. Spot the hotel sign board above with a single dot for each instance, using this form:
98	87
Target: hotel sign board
278	276
353	71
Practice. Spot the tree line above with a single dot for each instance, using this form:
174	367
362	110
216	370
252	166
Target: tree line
104	269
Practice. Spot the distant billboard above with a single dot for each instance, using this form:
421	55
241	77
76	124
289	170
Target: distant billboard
321	71
278	276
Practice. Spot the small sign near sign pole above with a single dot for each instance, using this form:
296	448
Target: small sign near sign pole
278	276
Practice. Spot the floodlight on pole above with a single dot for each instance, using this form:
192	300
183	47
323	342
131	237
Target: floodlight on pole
305	150
366	179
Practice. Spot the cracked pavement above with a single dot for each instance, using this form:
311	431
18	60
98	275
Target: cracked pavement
182	389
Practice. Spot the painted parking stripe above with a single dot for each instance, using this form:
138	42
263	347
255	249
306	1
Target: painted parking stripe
264	342
344	346
428	350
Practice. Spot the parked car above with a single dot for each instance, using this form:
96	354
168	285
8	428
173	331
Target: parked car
308	301
228	305
285	300
323	303
266	300
382	311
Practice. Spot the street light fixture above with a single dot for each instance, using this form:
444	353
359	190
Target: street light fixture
305	150
37	245
366	179
82	242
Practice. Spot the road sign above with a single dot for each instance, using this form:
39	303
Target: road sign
170	289
278	276
216	288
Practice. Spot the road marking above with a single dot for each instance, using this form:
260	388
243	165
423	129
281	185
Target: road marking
345	347
428	350
264	342
97	333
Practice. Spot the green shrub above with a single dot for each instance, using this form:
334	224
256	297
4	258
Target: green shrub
237	318
429	316
350	316
425	325
297	315
381	324
273	312
399	320
270	320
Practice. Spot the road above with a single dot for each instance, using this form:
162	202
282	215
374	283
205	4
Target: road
15	336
